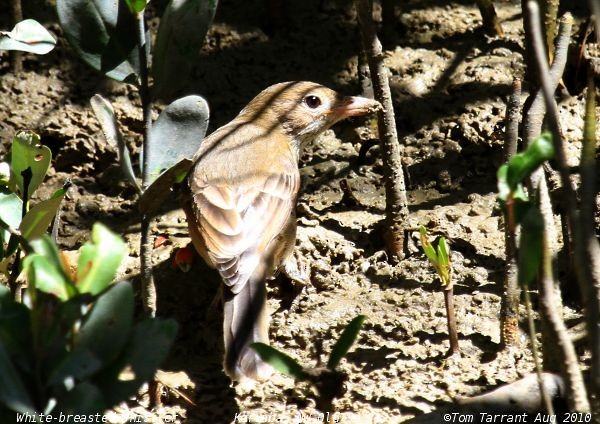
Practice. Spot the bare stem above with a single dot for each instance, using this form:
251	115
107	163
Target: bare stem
535	111
513	108
566	354
16	57
491	23
587	251
395	189
509	314
148	287
536	355
550	15
451	318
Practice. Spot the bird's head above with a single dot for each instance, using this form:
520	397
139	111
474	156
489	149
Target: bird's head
305	109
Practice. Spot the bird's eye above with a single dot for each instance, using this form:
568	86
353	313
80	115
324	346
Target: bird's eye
312	102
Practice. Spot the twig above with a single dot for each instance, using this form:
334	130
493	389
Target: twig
16	57
511	140
587	256
567	356
536	356
509	309
491	24
550	15
535	109
451	318
148	287
588	172
395	189
532	127
595	8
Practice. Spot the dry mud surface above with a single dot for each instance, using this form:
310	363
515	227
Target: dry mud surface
449	85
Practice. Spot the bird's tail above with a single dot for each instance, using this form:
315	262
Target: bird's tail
245	321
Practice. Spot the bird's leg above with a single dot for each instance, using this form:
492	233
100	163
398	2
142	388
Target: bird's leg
297	268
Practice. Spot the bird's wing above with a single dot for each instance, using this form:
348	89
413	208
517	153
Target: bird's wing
237	223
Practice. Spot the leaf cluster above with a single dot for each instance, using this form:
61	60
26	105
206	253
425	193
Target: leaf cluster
522	211
27	166
74	346
438	256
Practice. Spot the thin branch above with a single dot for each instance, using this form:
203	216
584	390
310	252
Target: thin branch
550	15
585	259
509	314
511	139
595	8
536	355
568	359
532	127
491	23
588	172
451	318
395	189
148	286
535	108
16	57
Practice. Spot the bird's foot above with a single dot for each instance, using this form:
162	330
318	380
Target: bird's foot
297	268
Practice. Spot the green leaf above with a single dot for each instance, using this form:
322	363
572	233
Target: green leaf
13	393
280	361
85	399
27	152
78	364
28	36
104	35
158	192
107	328
181	33
530	246
11	207
36	221
341	347
147	348
106	116
136	6
444	268
46	247
176	134
99	260
44	276
428	247
443	252
523	164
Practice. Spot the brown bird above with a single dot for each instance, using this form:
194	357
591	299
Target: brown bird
241	214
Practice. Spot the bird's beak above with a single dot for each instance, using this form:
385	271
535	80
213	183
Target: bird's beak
354	106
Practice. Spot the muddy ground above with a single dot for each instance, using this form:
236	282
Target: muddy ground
449	83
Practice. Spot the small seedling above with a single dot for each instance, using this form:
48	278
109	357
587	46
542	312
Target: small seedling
328	380
440	259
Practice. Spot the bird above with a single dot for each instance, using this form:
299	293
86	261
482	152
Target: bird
240	208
